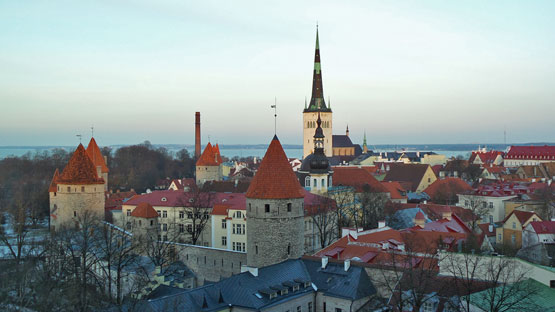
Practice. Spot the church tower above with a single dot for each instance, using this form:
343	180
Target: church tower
310	113
275	212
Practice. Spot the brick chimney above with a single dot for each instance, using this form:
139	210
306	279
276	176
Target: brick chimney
197	135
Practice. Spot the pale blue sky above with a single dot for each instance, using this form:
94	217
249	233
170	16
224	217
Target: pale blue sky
404	71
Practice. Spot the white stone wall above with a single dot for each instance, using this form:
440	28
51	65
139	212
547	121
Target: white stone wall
70	202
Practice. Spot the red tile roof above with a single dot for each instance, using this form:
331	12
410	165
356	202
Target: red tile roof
275	178
316	204
144	210
419	216
486	157
80	169
413	173
210	156
546	152
485	229
522	216
357	178
448	186
395	189
53	185
543	227
96	156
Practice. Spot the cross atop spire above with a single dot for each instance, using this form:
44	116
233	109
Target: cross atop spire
317	100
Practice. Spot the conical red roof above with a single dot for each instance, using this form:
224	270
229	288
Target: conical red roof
420	216
96	156
53	185
80	169
275	178
210	156
144	210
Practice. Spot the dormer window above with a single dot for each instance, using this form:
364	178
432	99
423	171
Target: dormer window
164	199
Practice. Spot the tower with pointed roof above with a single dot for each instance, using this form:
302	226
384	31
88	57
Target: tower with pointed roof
275	212
99	161
315	172
209	165
77	192
317	104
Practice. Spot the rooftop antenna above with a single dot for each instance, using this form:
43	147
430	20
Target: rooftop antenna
275	114
79	136
92	131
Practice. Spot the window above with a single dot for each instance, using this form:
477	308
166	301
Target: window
190	228
159	213
315	183
233	244
74	213
267	207
466	203
490	205
299	309
288	249
68	189
181	228
250	207
323	182
151	222
307	181
165	227
189	215
513	238
128	212
224	241
338	310
514	225
484	204
428	306
140	223
491	219
234	229
243	246
499	237
288	207
164	214
165	237
310	307
181	215
224	224
82	189
256	249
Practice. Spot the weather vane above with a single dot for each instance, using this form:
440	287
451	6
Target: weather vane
79	136
275	115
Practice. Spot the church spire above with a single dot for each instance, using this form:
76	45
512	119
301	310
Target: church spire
317	100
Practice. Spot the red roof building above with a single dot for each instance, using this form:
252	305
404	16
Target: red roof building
396	191
144	210
487	158
96	156
445	191
359	178
80	169
275	178
529	155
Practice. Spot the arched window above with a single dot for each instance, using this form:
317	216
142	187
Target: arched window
315	183
307	181
323	183
288	249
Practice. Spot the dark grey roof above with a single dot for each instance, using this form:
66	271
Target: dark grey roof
341	140
252	292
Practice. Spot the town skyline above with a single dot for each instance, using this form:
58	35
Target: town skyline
444	73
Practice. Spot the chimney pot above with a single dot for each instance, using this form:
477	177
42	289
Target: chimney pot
347	265
324	262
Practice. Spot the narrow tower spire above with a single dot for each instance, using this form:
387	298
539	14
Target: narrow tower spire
317	100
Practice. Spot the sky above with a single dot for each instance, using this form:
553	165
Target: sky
404	72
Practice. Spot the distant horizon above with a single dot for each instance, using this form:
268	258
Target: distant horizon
435	72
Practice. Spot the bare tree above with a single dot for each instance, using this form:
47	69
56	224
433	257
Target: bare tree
478	207
197	206
324	218
372	205
344	197
510	288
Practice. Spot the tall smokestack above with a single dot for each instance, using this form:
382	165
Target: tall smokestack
197	135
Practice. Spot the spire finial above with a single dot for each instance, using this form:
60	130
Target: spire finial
92	131
79	136
275	114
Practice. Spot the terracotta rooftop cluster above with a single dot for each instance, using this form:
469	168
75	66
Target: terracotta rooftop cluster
210	156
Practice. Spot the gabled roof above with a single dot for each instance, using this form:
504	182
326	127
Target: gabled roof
80	169
448	186
357	178
486	157
412	173
210	156
144	210
543	227
53	185
395	189
341	140
96	156
546	152
522	216
275	178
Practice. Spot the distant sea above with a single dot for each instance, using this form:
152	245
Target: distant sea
292	151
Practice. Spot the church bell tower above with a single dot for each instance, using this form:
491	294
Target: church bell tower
317	104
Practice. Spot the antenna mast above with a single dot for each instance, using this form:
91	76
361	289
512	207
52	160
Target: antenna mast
275	114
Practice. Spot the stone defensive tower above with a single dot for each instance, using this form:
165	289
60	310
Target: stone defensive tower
317	104
275	212
209	165
77	192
